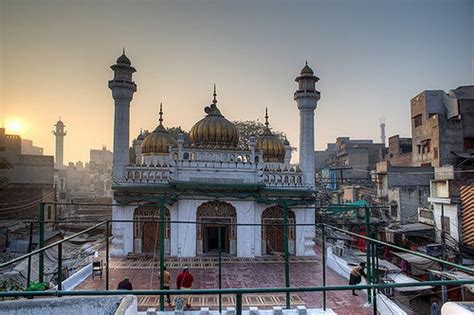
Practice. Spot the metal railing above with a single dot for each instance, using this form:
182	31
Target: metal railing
372	244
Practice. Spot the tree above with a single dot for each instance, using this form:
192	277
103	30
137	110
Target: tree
175	131
251	127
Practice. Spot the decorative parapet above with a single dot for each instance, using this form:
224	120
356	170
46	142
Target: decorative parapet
147	174
282	175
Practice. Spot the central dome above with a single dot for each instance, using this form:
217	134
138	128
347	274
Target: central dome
214	131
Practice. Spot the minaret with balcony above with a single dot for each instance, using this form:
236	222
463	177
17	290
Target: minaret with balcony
122	87
307	97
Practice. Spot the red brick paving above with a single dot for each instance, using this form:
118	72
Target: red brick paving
252	275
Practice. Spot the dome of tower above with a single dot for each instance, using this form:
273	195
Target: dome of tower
272	147
123	60
158	141
214	131
306	70
141	136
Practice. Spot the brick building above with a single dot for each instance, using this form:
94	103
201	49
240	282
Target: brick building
29	180
442	125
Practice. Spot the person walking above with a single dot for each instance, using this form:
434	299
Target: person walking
435	308
166	285
356	275
184	281
125	284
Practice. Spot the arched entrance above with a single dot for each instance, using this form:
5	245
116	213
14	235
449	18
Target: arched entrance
273	231
147	234
216	214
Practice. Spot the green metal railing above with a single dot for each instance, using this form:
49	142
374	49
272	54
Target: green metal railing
372	244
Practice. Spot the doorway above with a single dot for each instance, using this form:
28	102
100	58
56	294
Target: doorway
150	237
211	239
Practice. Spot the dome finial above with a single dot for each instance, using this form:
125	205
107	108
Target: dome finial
266	117
161	114
306	63
214	101
123	50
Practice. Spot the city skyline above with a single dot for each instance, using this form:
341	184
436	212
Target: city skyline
393	51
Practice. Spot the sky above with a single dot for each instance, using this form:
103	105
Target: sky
371	57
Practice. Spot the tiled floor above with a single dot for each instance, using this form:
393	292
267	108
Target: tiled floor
237	273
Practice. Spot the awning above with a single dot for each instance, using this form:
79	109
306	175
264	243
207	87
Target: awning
414	227
418	265
412	258
456	275
401	278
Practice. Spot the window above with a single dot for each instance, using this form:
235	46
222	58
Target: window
468	143
445	225
48	213
417	120
394	210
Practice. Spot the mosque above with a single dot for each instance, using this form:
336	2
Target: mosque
209	177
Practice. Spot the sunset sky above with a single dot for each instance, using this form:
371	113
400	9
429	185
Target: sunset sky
371	56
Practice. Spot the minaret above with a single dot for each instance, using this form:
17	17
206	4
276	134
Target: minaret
122	88
59	133
307	99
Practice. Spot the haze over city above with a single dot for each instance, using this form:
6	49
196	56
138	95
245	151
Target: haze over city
371	56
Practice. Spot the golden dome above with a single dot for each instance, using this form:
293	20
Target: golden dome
159	140
272	147
214	131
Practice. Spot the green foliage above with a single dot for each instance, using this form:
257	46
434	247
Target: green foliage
251	127
37	286
175	131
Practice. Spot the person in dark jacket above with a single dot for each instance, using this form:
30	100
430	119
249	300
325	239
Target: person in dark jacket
356	275
125	284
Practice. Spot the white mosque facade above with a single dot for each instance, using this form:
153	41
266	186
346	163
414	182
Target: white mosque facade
207	177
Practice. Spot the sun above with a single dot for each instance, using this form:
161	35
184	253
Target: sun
14	126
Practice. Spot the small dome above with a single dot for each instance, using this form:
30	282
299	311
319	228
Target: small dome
214	131
158	141
306	70
124	60
141	136
272	147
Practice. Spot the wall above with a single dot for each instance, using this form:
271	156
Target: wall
55	306
408	200
450	211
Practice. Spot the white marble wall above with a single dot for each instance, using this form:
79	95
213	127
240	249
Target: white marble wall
122	232
174	229
247	236
305	234
186	209
183	236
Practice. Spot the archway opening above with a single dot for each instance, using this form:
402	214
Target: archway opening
147	233
212	217
273	236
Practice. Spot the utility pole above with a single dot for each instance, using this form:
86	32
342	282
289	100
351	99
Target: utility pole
444	292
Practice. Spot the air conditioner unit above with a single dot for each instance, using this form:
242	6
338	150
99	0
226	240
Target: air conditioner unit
340	250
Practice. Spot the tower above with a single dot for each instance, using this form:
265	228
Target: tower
59	133
382	130
307	97
122	88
